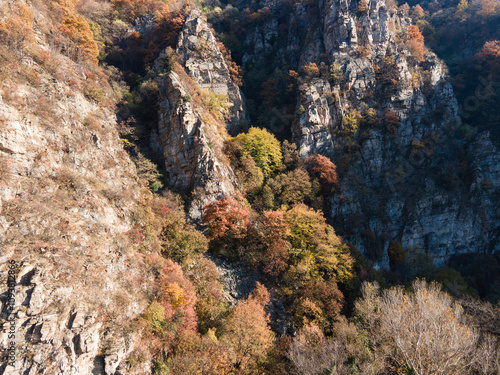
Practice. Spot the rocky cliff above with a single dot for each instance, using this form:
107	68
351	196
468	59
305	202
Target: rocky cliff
389	119
68	203
199	53
199	103
192	142
66	193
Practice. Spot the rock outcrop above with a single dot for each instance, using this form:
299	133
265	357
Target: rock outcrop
203	60
192	143
196	99
390	122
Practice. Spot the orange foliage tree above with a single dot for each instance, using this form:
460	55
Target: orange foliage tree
17	31
133	9
248	334
311	70
417	12
490	56
415	42
77	30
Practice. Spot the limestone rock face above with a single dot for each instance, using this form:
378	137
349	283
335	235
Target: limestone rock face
61	220
391	124
199	53
190	137
67	200
192	147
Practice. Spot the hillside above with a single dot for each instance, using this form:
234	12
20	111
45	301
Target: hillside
264	188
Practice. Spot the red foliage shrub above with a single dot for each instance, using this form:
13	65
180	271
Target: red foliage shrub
322	168
226	219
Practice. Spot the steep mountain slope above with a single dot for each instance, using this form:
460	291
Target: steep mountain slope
71	210
96	289
381	108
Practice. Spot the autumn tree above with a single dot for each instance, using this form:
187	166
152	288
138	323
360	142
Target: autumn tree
311	70
391	120
291	158
423	327
363	6
227	221
267	240
311	353
17	32
489	56
323	169
344	352
130	10
77	30
415	42
405	9
315	300
263	147
170	319
248	334
287	189
179	239
315	242
249	175
417	12
211	306
174	287
201	355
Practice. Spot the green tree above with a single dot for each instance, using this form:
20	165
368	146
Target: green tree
263	147
315	242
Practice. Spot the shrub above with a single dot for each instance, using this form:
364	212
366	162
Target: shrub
217	104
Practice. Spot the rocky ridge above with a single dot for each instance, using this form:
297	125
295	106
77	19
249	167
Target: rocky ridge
191	147
191	136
